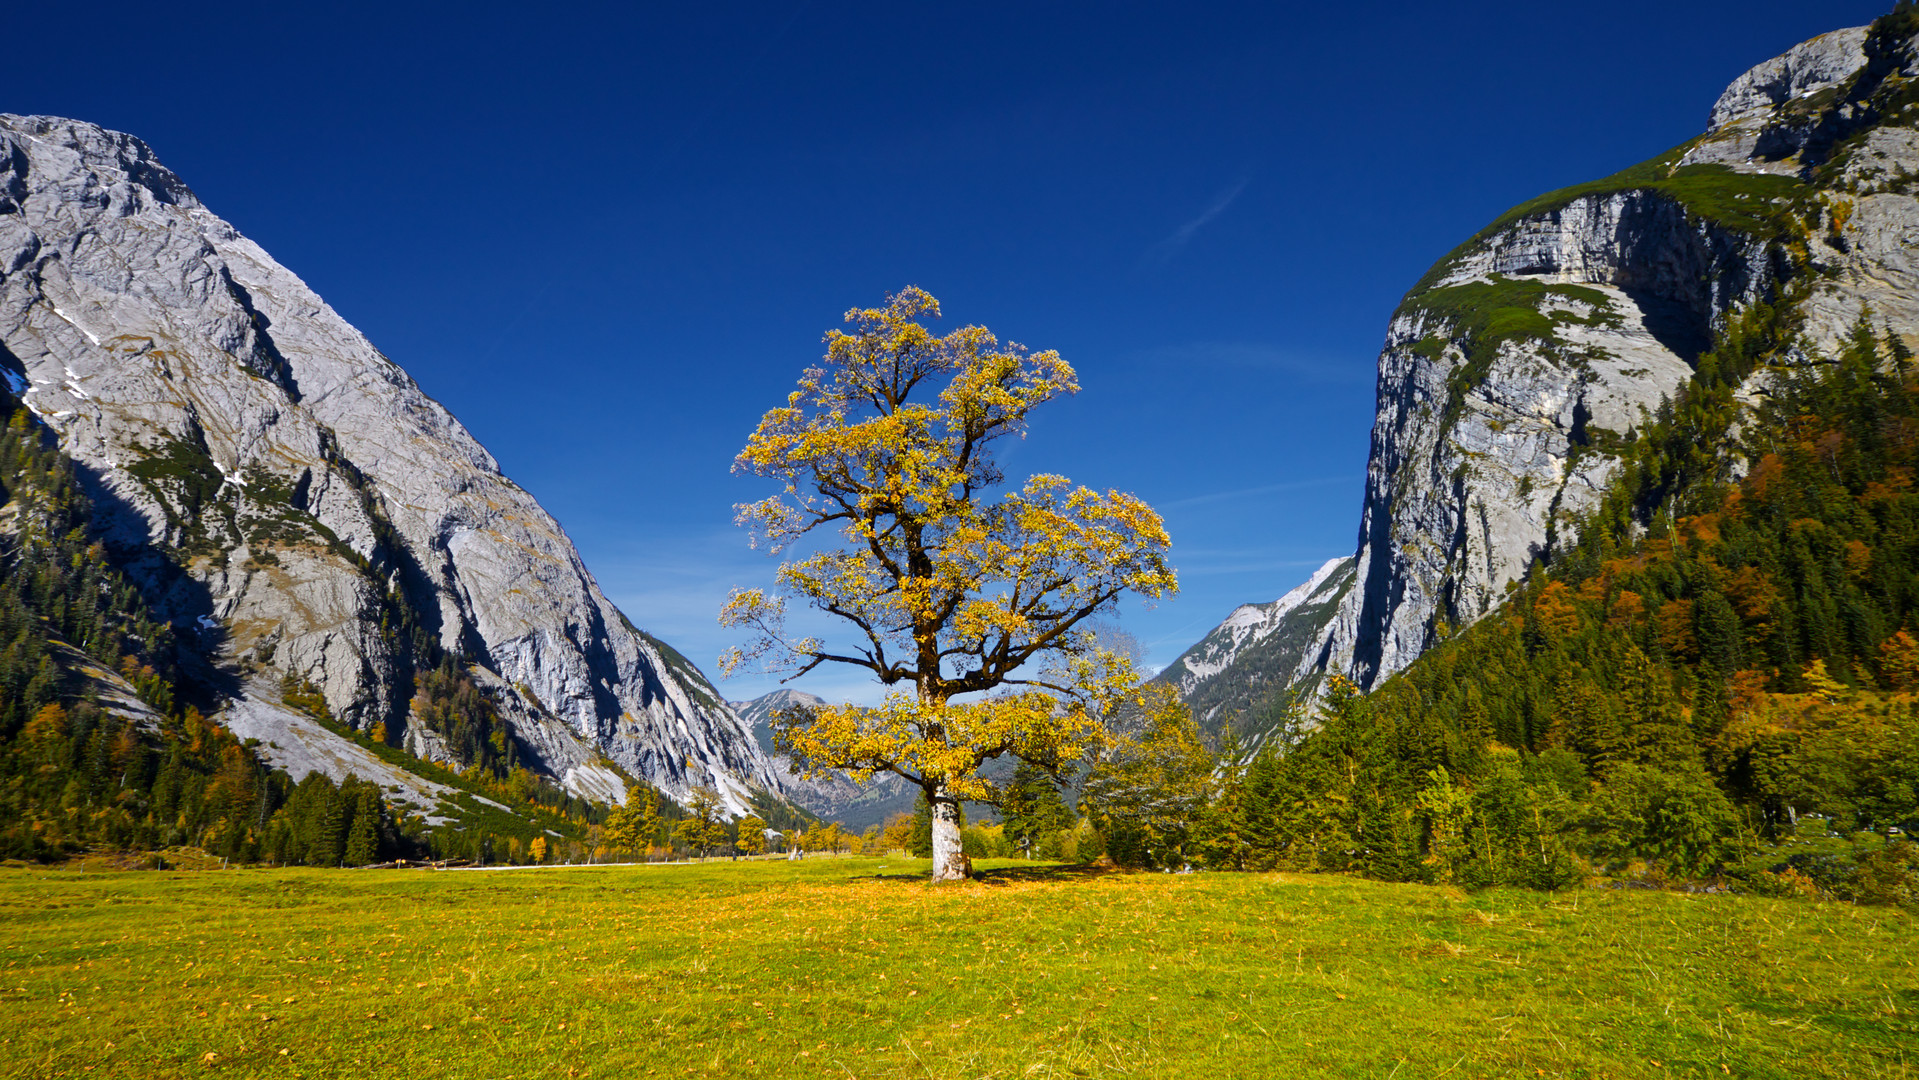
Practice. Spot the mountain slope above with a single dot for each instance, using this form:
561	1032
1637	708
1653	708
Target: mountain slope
835	797
1708	672
294	505
97	749
1715	682
1237	673
1517	370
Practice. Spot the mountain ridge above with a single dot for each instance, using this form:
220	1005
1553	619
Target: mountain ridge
835	796
292	501
1518	368
1239	674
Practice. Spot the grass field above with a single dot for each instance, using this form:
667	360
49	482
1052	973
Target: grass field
854	968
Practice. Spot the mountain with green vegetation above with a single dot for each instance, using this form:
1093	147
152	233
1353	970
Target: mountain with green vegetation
1718	679
1521	369
1517	368
300	513
1239	678
1638	590
100	748
249	558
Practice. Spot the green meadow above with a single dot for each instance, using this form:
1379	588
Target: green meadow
856	967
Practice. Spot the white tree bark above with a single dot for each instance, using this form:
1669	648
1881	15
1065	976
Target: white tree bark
949	861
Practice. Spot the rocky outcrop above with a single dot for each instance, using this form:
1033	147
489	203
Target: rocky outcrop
834	796
1235	676
1524	354
293	501
1803	70
1472	470
301	745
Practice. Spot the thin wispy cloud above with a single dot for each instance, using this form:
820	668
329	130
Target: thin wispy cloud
1263	489
1183	235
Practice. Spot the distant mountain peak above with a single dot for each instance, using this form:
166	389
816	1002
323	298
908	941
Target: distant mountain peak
1237	670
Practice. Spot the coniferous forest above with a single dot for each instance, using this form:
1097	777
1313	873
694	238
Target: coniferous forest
1715	667
76	776
1718	668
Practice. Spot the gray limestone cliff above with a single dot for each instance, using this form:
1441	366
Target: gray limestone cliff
292	500
1527	352
834	796
1518	366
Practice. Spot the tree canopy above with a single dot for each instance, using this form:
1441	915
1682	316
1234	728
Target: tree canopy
953	586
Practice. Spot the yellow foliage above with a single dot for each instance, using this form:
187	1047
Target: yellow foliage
1555	612
941	743
1628	609
1158	777
1675	628
1901	660
953	590
752	835
49	725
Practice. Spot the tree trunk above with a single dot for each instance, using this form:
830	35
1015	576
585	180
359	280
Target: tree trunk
949	861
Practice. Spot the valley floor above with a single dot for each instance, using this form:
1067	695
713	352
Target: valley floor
856	967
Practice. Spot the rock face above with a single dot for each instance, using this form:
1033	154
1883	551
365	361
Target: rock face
289	495
1804	69
1234	675
834	797
1526	352
758	713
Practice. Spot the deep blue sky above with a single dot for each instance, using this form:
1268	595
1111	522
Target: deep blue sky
608	238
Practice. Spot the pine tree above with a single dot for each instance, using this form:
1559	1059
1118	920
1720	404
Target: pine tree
327	845
363	836
1032	808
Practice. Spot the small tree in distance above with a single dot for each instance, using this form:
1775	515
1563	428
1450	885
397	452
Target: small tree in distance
952	592
1032	808
896	834
752	835
631	825
704	828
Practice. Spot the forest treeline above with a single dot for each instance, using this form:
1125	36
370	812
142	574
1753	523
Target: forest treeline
1715	681
76	776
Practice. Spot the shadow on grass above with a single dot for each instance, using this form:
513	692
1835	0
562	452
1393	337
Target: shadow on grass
1007	875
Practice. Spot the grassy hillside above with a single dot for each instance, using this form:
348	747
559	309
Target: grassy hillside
848	967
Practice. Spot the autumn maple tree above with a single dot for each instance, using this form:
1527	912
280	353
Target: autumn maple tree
972	603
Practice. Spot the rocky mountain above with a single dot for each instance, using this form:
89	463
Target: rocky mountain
1515	364
757	714
298	508
835	797
1235	674
1522	362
